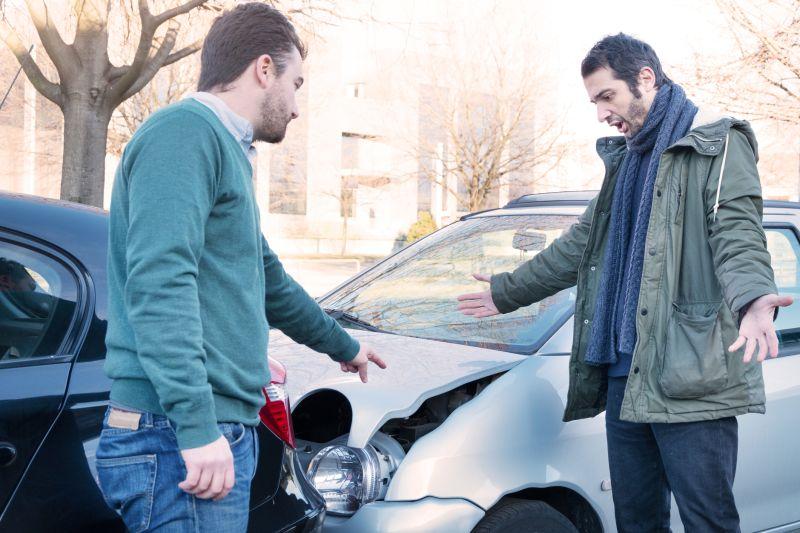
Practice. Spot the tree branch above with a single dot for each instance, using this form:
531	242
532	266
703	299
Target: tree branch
152	67
60	53
50	90
133	70
114	73
150	23
184	52
177	11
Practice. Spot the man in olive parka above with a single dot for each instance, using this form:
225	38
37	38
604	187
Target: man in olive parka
673	279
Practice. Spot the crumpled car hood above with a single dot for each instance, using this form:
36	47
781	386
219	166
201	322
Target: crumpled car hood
417	370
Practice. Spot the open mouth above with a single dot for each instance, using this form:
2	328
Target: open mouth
621	126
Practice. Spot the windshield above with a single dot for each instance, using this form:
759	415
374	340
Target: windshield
414	292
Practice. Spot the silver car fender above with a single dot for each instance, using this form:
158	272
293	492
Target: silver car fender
510	437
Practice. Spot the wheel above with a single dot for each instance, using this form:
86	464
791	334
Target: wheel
524	516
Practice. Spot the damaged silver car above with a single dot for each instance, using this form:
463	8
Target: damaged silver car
464	431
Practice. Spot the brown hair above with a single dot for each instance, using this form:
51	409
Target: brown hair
239	36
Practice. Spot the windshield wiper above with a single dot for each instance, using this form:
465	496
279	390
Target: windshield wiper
338	314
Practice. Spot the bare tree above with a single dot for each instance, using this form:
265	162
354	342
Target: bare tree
482	125
89	87
479	140
173	82
346	200
169	85
763	80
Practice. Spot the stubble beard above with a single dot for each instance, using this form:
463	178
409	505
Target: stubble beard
636	117
272	126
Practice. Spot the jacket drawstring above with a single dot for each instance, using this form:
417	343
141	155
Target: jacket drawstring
719	181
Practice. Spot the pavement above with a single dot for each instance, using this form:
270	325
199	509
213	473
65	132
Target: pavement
318	276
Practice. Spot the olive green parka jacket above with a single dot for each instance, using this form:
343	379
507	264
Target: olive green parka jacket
705	258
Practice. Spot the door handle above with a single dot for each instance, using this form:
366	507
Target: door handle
7	454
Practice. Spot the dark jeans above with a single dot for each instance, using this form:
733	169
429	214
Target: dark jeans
696	461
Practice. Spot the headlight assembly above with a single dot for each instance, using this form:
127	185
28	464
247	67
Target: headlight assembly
346	477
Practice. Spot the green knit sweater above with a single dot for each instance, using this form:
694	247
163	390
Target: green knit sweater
193	285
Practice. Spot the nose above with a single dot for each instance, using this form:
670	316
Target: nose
602	113
295	110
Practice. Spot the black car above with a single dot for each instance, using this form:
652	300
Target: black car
53	392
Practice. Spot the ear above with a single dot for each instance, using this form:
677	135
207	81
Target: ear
647	79
264	71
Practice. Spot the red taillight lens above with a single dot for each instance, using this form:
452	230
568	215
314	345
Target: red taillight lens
277	373
276	414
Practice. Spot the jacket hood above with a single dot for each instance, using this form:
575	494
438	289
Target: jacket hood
706	135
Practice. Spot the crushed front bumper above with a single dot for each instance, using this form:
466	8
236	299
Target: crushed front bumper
428	514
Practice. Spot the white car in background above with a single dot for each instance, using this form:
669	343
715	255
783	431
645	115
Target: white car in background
464	430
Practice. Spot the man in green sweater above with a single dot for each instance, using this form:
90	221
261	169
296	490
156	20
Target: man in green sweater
190	277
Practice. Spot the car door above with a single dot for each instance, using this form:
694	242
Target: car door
41	304
767	489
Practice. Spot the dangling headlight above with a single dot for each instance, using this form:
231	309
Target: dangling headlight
346	477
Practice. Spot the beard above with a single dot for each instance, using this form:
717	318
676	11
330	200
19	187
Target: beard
275	117
636	117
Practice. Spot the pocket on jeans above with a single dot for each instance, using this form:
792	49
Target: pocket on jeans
694	362
127	484
234	432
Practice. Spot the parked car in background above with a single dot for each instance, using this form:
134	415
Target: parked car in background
53	392
464	430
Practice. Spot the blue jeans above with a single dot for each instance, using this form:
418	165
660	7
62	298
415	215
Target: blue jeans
696	461
139	471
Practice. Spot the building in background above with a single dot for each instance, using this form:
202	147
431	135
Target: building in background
352	174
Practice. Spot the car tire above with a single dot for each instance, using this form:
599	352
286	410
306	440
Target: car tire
524	516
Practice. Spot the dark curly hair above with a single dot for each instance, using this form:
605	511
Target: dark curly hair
625	56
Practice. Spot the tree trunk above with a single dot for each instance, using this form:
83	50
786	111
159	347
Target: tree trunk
83	165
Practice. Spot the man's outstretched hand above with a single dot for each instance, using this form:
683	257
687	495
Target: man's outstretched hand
478	304
361	361
758	329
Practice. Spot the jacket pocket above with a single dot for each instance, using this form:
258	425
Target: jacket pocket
127	484
694	362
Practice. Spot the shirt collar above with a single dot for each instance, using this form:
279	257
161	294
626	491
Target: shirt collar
238	126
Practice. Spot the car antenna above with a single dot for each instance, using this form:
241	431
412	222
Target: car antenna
13	82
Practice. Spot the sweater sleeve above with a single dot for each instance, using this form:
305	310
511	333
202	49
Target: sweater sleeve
290	309
172	185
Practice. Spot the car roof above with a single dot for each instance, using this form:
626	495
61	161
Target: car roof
548	199
80	230
569	202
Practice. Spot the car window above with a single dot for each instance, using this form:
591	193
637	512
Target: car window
37	303
414	293
784	249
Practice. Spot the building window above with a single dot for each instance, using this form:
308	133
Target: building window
355	90
347	197
463	196
424	192
287	184
350	151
